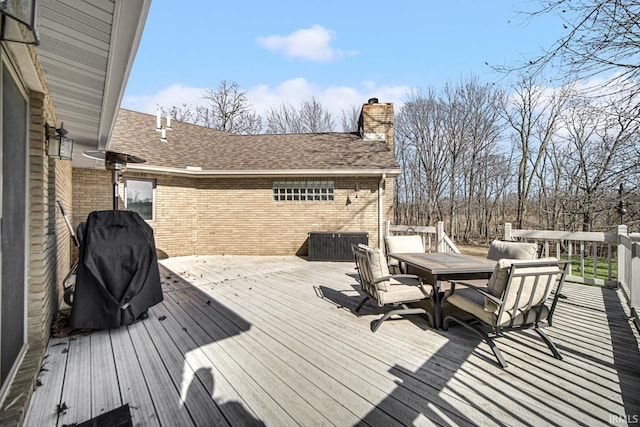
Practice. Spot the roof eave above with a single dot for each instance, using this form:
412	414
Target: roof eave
85	72
128	25
257	173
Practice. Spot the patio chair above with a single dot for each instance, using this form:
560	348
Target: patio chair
517	297
396	290
402	245
499	249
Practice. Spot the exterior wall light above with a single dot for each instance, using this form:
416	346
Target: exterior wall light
58	145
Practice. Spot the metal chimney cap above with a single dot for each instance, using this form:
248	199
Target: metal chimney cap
372	101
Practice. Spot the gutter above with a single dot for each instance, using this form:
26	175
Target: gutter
380	199
196	172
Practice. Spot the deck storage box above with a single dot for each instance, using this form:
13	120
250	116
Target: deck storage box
334	245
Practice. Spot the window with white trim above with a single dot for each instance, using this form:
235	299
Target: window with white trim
140	197
294	191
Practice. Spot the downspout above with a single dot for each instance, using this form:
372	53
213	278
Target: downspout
380	219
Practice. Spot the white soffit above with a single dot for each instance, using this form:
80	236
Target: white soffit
86	51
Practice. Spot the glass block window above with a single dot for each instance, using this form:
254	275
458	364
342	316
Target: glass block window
303	191
140	197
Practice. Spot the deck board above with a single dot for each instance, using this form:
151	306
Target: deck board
296	391
131	381
373	349
358	382
202	409
105	392
222	392
211	341
276	340
76	393
46	397
164	392
303	374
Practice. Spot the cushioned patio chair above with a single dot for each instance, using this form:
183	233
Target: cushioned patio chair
517	297
402	245
396	290
499	249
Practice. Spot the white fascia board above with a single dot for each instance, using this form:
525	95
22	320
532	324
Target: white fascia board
195	173
128	24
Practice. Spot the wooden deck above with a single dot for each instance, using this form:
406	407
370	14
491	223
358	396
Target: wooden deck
274	340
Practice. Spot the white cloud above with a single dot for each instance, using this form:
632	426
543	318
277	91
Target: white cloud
333	98
175	95
262	97
313	44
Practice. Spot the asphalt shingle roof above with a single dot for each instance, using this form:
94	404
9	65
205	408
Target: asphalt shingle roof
190	145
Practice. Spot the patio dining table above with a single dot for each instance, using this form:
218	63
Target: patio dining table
437	267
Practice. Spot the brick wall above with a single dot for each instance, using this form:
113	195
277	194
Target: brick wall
92	191
238	216
49	246
48	254
61	173
41	263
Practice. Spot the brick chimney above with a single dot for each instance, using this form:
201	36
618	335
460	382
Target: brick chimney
376	122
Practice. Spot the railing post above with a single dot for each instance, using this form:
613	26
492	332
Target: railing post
507	231
634	280
622	256
440	237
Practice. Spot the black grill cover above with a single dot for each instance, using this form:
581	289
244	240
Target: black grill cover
118	277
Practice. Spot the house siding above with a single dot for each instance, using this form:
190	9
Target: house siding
92	191
198	216
48	258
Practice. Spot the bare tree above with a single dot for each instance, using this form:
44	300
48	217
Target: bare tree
452	168
602	135
494	179
315	117
598	36
349	119
229	109
482	132
309	117
182	113
453	140
422	185
283	119
532	112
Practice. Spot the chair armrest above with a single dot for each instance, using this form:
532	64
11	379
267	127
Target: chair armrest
471	286
405	276
396	276
460	282
492	297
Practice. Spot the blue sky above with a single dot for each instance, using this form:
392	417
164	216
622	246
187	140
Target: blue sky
342	52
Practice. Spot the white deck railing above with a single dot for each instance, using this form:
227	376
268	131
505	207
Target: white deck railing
629	269
603	250
433	238
605	259
595	248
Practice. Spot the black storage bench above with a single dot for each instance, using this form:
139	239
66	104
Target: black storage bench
334	245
